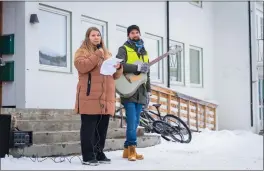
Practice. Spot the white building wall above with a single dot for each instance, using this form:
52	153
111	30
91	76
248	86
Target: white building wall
14	23
50	87
193	26
232	79
57	90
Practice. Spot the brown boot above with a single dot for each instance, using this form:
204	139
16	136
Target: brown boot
125	153
132	155
138	156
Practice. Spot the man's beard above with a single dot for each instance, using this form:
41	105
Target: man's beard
136	39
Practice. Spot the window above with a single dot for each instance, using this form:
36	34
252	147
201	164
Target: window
177	65
197	3
54	35
259	24
259	33
261	92
88	22
120	36
153	45
260	51
196	70
261	28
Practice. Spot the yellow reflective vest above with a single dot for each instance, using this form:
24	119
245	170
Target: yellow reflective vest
132	56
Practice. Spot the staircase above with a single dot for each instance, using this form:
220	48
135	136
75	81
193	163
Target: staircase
56	132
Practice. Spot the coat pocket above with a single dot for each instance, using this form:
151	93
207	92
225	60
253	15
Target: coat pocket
89	84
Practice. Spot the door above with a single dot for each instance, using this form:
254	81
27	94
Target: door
261	101
260	36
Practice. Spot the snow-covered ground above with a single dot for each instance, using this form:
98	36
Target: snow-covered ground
239	150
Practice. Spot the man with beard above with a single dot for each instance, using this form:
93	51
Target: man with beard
131	51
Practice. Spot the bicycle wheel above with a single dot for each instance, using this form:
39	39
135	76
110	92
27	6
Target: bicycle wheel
179	125
167	131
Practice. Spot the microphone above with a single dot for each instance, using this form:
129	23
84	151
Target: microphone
99	46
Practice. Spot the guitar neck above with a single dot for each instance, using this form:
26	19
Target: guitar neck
158	59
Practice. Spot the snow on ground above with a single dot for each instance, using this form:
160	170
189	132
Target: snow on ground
239	150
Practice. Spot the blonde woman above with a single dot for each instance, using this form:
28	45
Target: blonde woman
95	97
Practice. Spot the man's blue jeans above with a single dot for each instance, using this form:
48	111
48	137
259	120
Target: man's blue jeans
132	118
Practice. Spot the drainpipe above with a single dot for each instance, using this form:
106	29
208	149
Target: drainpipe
250	65
168	41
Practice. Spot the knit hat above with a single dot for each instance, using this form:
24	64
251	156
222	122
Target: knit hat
132	27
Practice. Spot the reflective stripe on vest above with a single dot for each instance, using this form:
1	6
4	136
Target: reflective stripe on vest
132	56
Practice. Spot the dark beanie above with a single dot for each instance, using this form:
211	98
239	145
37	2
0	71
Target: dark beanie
132	27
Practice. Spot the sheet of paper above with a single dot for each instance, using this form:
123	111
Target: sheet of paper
108	68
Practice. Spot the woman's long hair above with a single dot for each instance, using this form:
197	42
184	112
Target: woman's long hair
89	46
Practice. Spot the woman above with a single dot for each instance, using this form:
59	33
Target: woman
95	98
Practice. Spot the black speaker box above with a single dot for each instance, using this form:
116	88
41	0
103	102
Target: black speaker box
5	126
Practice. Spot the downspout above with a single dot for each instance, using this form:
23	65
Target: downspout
250	64
168	41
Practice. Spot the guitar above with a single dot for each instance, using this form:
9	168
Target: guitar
128	83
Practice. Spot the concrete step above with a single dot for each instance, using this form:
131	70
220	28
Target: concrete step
56	125
66	136
71	148
41	114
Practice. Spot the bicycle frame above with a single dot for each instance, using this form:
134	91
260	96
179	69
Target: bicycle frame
121	115
147	120
156	114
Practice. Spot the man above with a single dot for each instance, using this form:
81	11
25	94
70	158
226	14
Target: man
134	50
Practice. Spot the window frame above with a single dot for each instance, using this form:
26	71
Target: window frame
199	4
259	25
259	35
68	15
182	82
200	85
160	52
261	28
104	24
121	28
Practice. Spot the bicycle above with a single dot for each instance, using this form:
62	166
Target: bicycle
163	125
177	123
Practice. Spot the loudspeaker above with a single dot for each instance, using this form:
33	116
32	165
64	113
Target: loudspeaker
5	125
